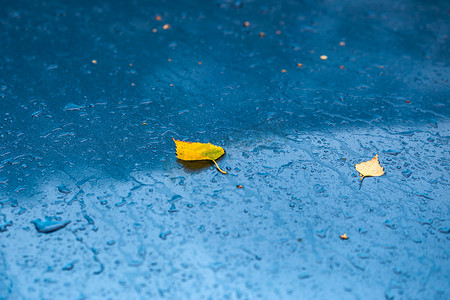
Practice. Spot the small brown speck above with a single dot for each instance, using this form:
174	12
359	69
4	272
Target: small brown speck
199	62
240	187
278	32
166	26
262	34
323	57
132	84
342	67
407	101
283	71
94	61
169	60
299	65
171	84
246	24
299	240
344	236
342	43
154	30
158	18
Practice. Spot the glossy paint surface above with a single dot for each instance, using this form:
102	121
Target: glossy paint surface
95	205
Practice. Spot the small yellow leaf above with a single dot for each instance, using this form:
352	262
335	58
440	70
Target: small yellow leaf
198	151
370	168
344	236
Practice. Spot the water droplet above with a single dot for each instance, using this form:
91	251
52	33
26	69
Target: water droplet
163	235
68	267
121	203
173	209
444	230
363	255
49	225
146	101
304	275
89	219
407	173
322	233
184	111
36	114
391	152
52	67
216	266
4	226
390	224
362	230
174	198
63	189
73	107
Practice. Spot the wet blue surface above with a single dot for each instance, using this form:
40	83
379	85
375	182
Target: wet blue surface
94	204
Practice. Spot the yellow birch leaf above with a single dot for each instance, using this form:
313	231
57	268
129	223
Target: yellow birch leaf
344	236
199	151
370	168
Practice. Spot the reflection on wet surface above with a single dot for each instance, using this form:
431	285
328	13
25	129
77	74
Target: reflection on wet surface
94	203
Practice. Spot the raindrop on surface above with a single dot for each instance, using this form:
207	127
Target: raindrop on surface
390	224
304	275
173	209
163	235
36	114
63	189
146	101
68	267
49	225
407	173
444	230
72	107
4	226
121	203
322	233
174	198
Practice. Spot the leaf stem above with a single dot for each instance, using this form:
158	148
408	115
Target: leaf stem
361	182
218	167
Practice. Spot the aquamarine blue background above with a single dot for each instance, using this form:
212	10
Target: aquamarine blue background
94	204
